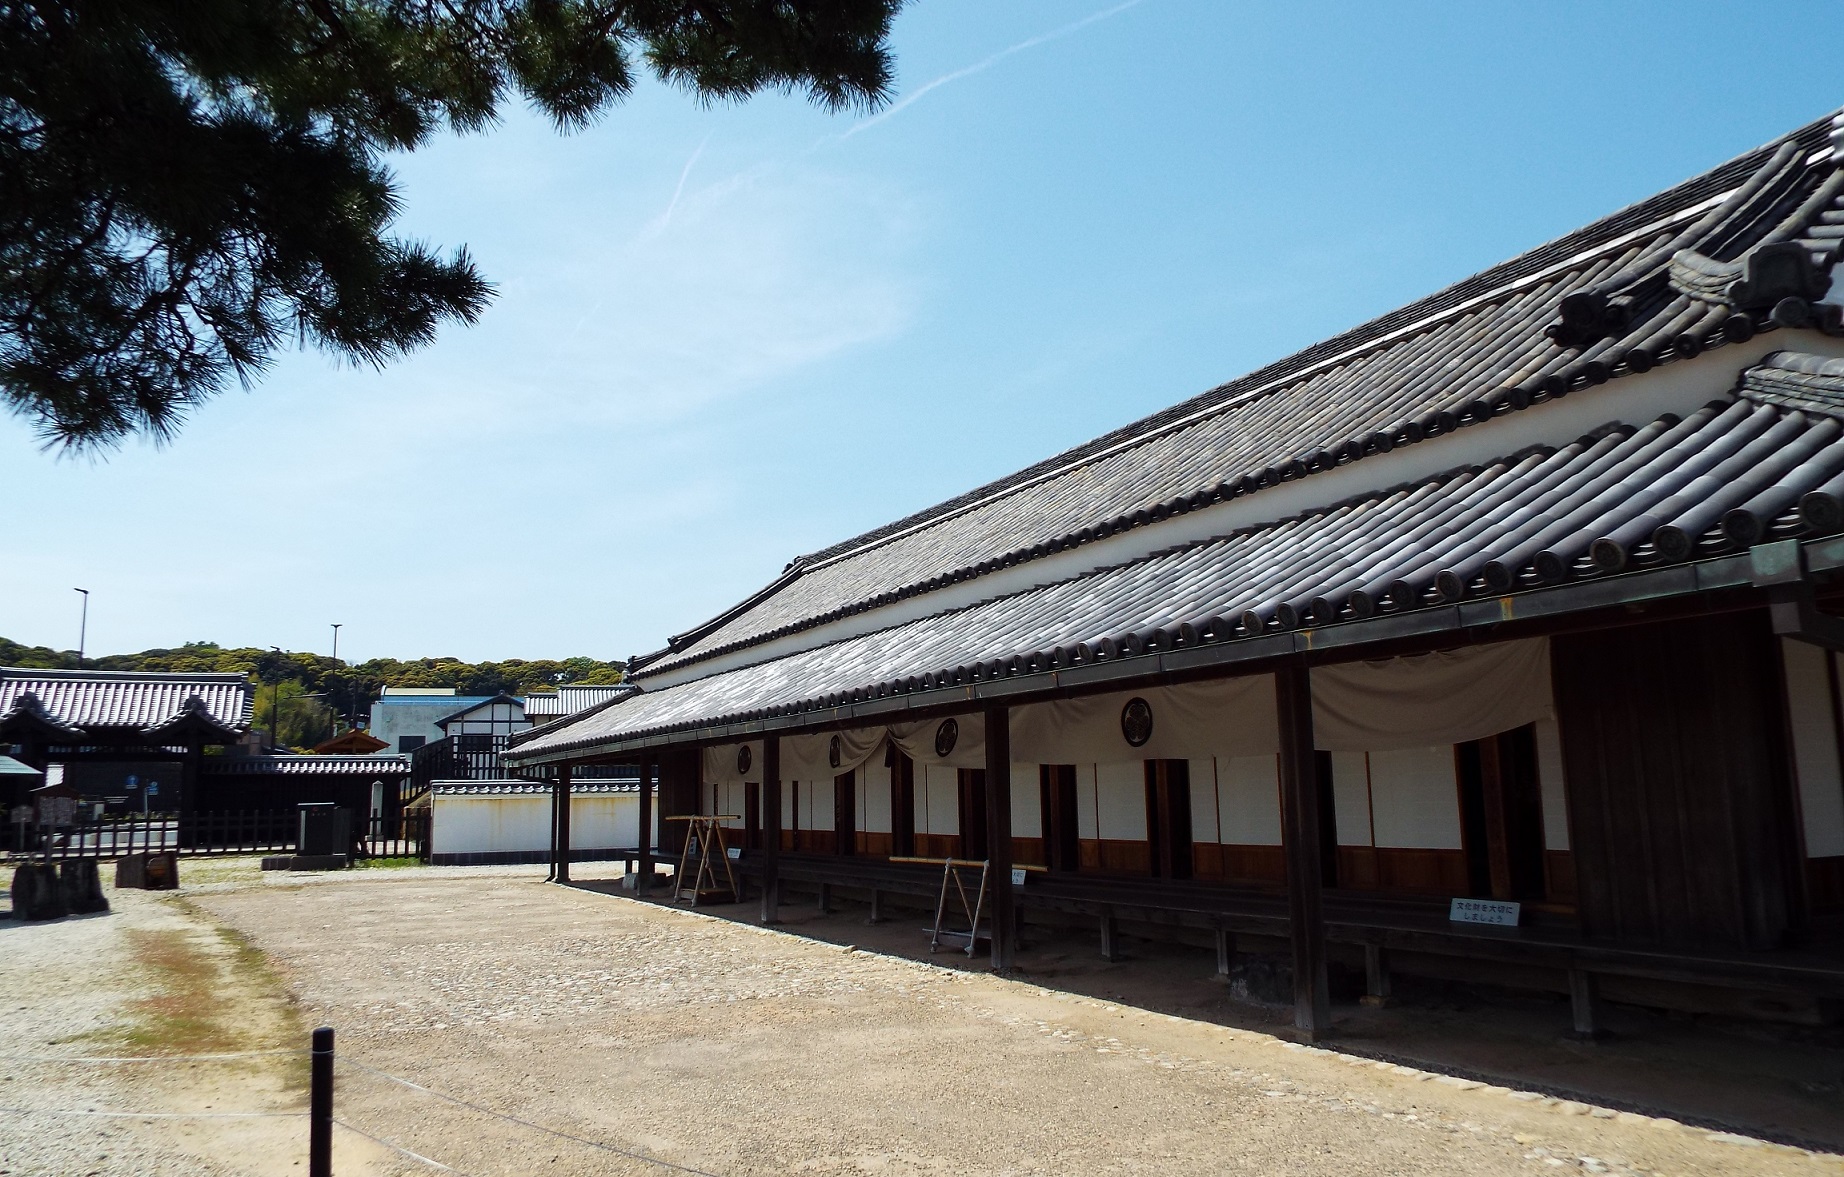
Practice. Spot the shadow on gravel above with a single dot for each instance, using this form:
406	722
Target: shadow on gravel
1776	1082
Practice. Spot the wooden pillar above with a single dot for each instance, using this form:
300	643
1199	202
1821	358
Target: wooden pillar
1301	844
771	829
550	845
643	865
1376	975
561	793
188	791
999	835
1584	1003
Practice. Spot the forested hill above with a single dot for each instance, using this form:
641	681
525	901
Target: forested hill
351	687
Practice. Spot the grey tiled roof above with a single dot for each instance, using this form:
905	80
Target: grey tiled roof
530	788
93	699
1623	499
319	765
1614	299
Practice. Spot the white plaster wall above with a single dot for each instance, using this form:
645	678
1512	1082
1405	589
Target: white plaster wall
937	800
486	823
1027	802
1815	747
1249	800
1351	797
1204	820
602	821
1551	783
818	803
1121	800
1414	798
874	799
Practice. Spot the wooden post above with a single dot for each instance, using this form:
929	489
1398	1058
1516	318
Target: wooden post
1226	951
877	907
551	875
771	829
643	866
1376	975
1301	845
1584	1004
1110	937
562	794
999	835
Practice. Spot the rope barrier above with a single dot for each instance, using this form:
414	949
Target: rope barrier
395	1147
596	1144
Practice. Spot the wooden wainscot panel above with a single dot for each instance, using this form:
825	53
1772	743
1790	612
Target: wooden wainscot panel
1028	851
1121	857
875	845
1358	869
1825	878
1254	864
1423	872
1088	854
937	846
1559	877
1206	861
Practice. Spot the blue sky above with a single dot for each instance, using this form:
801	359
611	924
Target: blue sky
729	335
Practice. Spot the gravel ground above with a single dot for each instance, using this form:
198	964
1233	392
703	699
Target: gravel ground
644	1031
148	978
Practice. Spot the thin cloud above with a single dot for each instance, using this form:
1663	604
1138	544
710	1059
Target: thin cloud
916	95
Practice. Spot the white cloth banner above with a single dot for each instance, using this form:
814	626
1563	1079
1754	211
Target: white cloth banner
920	741
810	758
1224	717
720	764
1431	699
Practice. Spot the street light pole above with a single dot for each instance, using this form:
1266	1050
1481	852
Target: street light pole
83	627
336	628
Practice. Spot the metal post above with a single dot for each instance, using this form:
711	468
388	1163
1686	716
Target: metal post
320	1106
771	829
999	835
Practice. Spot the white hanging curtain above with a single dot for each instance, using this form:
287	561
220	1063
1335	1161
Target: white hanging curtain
921	741
720	764
810	757
1224	717
1430	699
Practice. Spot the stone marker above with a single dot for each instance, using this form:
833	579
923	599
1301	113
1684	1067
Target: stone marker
80	884
36	894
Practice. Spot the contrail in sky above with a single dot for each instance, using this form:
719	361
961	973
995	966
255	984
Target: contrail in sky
983	64
680	190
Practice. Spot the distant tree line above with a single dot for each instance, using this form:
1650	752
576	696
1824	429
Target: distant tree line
315	691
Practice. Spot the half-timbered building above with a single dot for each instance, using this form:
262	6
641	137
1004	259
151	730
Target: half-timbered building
1522	593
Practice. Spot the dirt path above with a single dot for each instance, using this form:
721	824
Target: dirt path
732	1050
152	978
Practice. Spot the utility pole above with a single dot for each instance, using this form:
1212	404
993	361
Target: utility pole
336	627
83	627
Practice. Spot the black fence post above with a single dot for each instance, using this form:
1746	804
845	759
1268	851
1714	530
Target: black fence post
320	1106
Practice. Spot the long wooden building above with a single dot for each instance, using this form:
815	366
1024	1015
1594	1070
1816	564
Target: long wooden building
1523	592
